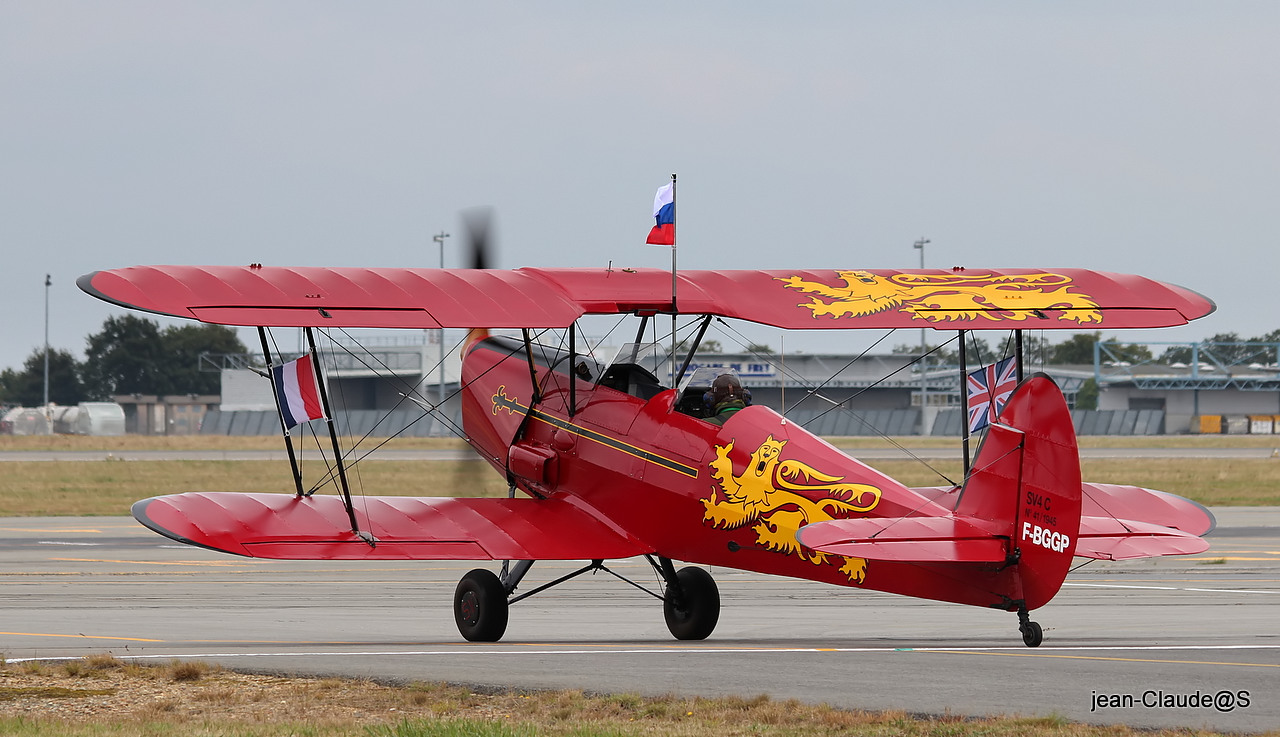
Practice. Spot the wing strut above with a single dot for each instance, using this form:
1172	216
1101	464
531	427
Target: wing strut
288	439
702	330
337	450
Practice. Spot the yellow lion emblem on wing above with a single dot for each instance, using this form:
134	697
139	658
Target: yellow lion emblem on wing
768	494
941	297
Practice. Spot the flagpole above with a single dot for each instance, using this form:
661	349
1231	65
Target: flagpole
964	399
288	439
674	214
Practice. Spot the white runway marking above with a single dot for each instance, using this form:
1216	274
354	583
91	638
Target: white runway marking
1172	588
65	542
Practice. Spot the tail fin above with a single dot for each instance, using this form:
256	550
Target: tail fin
1026	482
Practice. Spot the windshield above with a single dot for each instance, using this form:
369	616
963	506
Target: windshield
639	369
649	356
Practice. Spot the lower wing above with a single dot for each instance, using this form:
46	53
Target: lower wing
285	526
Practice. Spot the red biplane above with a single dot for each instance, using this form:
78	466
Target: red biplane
614	461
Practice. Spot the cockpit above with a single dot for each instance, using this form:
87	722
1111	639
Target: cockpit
696	397
635	370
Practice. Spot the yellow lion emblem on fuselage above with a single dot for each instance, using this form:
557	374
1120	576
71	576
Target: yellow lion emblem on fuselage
942	297
767	494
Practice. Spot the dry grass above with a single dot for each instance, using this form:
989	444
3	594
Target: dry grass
108	697
194	442
109	488
94	488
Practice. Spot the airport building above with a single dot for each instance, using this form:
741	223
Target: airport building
384	387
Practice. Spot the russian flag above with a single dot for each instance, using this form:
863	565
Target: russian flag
298	391
664	213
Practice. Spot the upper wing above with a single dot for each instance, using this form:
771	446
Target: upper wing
405	528
468	298
320	297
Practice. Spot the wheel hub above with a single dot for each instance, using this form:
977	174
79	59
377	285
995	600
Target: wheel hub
469	607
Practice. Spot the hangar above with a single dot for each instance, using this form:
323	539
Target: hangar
831	393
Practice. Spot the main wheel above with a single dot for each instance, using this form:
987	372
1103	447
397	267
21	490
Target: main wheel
1032	635
693	607
480	606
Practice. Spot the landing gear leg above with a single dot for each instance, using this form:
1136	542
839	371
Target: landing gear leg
512	575
480	606
1032	635
692	602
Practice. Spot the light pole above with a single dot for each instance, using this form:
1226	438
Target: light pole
48	422
924	359
439	239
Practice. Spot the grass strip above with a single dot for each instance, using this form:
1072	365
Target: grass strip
109	488
102	695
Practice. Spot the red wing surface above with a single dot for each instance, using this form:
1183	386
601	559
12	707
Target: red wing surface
338	297
1147	506
994	299
406	528
1108	538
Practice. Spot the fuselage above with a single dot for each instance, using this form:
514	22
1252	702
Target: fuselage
615	440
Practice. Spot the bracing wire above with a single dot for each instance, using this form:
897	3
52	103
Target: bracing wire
816	392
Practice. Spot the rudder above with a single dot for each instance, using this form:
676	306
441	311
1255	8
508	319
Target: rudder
1026	480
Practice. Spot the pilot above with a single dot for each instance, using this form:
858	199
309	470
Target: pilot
727	397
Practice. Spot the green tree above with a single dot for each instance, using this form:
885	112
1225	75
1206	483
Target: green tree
131	355
1036	349
182	347
977	352
1087	396
1227	348
1076	349
26	387
124	358
1079	349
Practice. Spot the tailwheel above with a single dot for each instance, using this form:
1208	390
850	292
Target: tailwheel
692	604
1032	635
480	606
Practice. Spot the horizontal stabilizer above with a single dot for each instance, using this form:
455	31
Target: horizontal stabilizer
1107	538
1147	505
284	526
909	539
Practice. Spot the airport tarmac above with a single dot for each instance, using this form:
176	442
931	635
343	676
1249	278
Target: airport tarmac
1142	643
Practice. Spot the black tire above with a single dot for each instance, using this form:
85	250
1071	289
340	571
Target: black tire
693	614
1032	635
480	606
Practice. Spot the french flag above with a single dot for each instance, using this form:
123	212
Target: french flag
664	213
298	391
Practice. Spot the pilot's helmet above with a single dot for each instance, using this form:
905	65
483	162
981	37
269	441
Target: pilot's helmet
725	387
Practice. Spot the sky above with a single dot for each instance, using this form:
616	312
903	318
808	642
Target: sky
1139	137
